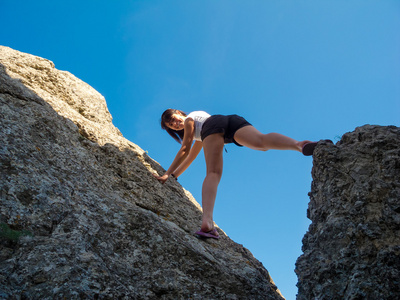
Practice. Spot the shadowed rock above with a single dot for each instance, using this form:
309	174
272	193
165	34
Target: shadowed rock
352	248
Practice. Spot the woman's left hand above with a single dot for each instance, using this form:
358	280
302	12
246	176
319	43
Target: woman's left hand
161	179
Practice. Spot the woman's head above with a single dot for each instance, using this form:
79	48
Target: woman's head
170	121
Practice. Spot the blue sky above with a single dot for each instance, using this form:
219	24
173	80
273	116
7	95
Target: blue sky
307	69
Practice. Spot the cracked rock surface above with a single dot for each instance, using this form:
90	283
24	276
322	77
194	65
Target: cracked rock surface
81	215
352	247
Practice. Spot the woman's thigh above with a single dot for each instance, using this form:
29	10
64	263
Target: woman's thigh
213	146
250	137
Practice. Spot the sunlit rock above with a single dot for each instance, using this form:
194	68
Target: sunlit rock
81	216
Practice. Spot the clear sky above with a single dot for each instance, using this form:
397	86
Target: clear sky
307	69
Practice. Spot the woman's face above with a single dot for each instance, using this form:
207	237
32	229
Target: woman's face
177	122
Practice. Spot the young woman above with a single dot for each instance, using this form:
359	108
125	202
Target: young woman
211	133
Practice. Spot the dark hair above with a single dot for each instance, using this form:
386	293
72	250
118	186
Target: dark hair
166	118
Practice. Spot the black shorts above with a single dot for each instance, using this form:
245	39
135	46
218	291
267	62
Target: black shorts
228	125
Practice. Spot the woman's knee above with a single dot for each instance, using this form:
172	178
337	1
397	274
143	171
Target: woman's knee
258	142
215	173
263	142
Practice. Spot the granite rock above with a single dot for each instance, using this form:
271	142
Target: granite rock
81	215
352	247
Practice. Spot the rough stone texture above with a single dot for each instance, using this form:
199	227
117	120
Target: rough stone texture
352	248
81	215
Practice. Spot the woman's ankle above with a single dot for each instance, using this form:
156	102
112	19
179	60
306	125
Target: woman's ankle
207	226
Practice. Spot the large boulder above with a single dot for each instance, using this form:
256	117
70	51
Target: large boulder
352	248
81	215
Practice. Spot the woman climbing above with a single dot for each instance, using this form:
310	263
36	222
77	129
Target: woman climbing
211	133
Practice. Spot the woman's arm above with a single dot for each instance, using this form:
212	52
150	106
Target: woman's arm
194	151
183	151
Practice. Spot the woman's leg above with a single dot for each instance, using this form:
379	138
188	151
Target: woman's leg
213	146
250	137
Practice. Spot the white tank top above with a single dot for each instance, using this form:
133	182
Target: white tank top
199	117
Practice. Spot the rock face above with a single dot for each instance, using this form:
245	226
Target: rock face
81	215
352	248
